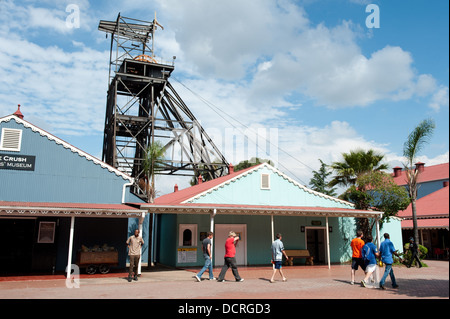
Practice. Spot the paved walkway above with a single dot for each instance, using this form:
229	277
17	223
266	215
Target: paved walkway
304	282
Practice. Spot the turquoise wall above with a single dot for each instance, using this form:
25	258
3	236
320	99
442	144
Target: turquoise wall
247	191
259	235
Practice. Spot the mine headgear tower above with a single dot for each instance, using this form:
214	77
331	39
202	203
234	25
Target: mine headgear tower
142	107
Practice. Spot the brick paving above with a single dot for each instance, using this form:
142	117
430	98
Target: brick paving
304	282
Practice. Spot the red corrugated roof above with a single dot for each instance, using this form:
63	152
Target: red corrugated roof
434	204
427	223
182	195
430	173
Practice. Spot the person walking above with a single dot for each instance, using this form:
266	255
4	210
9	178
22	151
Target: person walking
134	244
357	261
387	249
207	254
230	258
277	257
414	249
369	254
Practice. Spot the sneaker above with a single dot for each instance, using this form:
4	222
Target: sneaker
363	283
284	279
129	278
352	282
212	279
272	281
396	286
240	280
135	278
382	287
197	278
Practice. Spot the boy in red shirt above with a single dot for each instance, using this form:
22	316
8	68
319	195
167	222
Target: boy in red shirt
230	260
357	260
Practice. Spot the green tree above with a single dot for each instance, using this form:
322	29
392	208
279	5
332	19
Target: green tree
152	163
249	163
319	180
411	148
378	191
354	164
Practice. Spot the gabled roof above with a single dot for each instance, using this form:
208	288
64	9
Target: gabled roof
429	174
190	194
186	194
185	201
433	205
65	145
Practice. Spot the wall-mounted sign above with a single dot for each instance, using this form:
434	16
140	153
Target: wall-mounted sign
187	255
46	233
17	162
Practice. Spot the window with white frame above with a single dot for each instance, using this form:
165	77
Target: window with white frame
11	140
187	235
265	181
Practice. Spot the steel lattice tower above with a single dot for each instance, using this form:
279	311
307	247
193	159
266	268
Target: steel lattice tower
142	107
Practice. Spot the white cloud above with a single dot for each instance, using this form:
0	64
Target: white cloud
66	89
440	99
274	48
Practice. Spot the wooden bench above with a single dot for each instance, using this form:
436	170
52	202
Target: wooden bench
298	253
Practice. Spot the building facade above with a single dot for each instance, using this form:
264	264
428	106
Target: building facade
56	199
257	203
432	208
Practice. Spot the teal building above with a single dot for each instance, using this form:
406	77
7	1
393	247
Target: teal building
257	203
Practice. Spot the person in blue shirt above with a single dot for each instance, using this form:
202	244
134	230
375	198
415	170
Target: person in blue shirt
387	249
277	257
369	254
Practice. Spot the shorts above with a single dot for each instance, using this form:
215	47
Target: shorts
277	264
358	262
371	268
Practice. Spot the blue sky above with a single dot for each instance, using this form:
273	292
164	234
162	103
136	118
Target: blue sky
311	70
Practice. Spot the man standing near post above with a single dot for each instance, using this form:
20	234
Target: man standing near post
207	254
134	244
230	259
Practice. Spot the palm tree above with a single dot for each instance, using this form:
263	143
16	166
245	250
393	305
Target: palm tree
356	163
413	145
152	163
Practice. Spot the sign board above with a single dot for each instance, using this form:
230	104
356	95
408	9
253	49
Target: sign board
187	255
17	162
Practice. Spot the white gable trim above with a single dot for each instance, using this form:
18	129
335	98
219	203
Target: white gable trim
66	145
276	171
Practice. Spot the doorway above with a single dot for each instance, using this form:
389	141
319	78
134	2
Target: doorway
315	243
17	250
220	236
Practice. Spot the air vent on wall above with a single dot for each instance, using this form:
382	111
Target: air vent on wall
265	181
11	140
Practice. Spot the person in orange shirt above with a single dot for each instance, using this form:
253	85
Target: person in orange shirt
357	260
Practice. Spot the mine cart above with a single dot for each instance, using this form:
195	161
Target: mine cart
101	260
